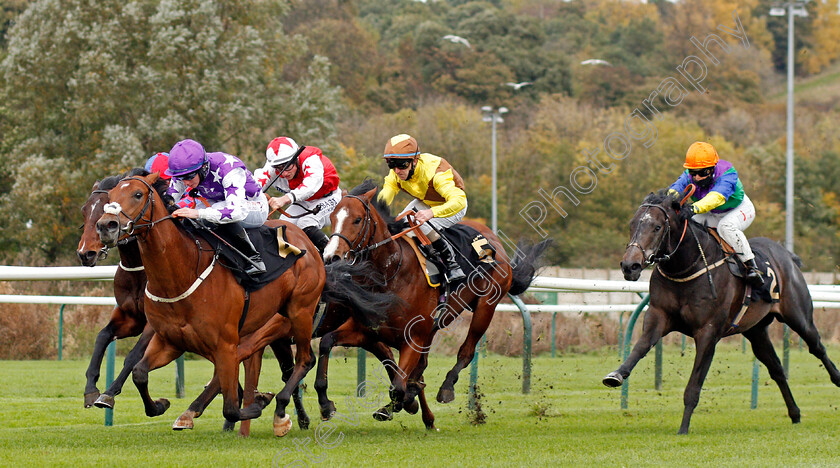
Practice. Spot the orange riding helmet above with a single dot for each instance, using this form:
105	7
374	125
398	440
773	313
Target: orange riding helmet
700	155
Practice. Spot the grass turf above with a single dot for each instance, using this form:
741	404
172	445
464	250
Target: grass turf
568	418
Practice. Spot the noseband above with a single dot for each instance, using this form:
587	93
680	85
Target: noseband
134	223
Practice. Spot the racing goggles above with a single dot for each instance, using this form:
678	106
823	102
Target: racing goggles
394	163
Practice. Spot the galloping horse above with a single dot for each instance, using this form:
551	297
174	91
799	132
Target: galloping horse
690	295
128	318
361	231
200	308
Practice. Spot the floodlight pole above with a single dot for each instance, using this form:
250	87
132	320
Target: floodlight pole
493	116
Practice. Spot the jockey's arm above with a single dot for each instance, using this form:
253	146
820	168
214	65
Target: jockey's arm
708	203
390	188
723	188
313	179
232	210
456	199
681	183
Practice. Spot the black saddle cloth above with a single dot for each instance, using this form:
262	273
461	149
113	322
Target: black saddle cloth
471	247
769	291
264	239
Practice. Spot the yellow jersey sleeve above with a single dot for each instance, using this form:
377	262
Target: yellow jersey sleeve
389	188
456	199
708	203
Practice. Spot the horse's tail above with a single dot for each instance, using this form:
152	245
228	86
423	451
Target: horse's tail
525	266
342	286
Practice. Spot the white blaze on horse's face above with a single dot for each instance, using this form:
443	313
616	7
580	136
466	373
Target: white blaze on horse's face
331	247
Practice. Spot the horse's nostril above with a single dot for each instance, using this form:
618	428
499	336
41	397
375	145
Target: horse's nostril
113	225
332	259
635	267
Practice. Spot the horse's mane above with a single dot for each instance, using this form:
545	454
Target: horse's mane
380	206
160	185
662	197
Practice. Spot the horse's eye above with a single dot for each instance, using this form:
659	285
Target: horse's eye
138	195
657	228
357	221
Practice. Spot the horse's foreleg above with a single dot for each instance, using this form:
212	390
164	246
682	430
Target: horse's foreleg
705	341
158	354
426	412
300	315
655	326
250	408
227	369
763	349
106	400
103	339
283	352
197	407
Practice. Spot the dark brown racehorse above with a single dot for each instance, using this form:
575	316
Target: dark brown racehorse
203	316
361	231
706	306
128	318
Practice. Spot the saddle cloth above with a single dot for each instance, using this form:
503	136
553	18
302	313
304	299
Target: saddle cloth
769	291
276	252
471	248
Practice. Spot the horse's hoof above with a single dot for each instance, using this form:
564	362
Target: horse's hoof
412	406
90	398
228	426
104	401
613	379
446	395
263	398
282	426
303	423
327	412
184	421
383	414
162	405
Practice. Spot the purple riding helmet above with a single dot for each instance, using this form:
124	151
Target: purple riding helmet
186	157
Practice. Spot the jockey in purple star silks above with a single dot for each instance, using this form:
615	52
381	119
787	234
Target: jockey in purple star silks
230	199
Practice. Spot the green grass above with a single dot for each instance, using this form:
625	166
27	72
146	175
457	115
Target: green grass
568	419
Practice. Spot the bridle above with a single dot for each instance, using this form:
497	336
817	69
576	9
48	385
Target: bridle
653	258
364	237
139	221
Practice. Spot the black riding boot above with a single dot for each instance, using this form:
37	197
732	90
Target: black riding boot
447	256
317	237
238	238
753	276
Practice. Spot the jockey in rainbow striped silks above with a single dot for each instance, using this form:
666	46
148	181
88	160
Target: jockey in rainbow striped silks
719	201
309	182
233	199
438	192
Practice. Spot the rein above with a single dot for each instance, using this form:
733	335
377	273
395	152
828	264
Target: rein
652	258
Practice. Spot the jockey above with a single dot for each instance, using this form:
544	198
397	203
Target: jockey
230	198
309	182
719	201
438	192
159	163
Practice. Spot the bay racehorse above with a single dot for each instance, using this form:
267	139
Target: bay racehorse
128	317
201	305
361	232
690	295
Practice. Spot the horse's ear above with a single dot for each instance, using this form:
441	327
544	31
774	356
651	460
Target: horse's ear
343	193
95	185
153	177
369	195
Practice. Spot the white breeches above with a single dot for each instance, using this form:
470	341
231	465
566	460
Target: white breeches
731	226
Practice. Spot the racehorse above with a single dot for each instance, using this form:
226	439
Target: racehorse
361	232
690	295
128	318
198	307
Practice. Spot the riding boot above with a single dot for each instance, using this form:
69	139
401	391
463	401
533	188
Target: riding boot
452	271
317	237
753	276
238	238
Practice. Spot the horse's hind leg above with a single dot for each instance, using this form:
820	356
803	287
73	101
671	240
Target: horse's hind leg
478	326
158	354
283	352
705	341
763	349
655	326
803	324
106	400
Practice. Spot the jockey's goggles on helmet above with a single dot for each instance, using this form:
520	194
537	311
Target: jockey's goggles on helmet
189	176
702	173
394	163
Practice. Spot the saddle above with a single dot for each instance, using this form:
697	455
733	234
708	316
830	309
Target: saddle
471	248
769	291
274	248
